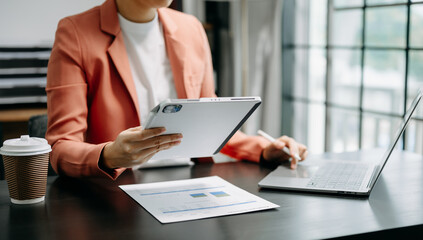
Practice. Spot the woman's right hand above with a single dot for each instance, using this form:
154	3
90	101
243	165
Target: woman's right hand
135	146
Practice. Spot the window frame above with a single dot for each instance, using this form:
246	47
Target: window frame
290	46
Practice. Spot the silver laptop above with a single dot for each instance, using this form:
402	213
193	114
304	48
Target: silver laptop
336	176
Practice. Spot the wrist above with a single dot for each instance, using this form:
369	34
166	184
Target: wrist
267	163
262	160
106	156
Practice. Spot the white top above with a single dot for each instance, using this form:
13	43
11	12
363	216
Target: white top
151	71
149	63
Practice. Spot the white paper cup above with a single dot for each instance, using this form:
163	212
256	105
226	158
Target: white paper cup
25	166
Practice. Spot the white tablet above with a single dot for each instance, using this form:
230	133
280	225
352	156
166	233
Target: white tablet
206	123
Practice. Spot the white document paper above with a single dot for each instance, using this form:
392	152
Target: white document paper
184	200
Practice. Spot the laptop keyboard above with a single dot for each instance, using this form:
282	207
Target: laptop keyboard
348	176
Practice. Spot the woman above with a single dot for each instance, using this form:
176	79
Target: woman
109	66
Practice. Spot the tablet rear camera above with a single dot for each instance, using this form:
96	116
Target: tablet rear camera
172	108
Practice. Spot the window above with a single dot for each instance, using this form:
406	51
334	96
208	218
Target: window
350	71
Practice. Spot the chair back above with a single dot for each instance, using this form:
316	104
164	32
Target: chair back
37	127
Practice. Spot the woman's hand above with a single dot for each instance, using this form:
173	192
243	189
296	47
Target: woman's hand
134	146
273	152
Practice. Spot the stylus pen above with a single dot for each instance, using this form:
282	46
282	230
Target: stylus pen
270	138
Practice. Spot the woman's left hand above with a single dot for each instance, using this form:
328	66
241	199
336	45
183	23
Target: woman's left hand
274	153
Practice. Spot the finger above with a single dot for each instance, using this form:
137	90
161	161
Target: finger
149	152
279	144
293	163
138	134
135	129
275	149
293	149
303	151
162	148
131	148
154	142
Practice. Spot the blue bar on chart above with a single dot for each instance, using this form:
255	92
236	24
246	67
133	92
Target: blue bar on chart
197	195
220	194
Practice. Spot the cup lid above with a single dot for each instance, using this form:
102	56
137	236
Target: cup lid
25	146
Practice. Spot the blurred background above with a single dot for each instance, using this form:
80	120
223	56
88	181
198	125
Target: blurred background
337	75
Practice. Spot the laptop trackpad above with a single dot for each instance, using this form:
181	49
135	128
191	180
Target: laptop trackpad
283	176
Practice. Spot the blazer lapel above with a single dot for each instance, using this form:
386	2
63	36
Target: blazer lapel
120	60
117	50
176	49
177	53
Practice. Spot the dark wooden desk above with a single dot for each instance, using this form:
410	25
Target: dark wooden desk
98	209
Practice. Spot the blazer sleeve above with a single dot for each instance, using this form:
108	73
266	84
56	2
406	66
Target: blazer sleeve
67	109
240	146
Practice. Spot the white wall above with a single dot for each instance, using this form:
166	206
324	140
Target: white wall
33	23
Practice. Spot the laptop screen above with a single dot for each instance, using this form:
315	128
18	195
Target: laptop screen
400	130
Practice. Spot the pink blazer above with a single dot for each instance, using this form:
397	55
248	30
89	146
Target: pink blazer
91	96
